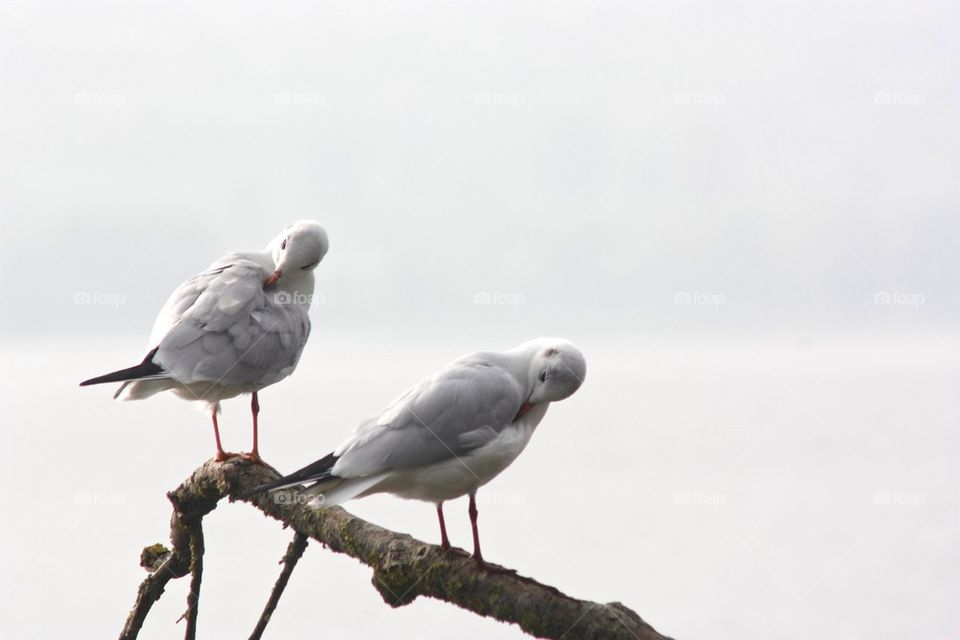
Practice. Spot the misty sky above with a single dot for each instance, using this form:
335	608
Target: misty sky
745	214
590	159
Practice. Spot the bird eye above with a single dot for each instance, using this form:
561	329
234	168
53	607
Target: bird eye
543	376
283	245
311	265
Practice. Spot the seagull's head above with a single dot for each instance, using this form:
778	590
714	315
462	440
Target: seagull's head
557	369
299	249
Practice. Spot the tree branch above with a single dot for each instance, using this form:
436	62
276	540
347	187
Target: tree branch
403	568
196	576
297	546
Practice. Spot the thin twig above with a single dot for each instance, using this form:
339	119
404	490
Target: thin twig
290	559
403	568
149	592
196	576
177	562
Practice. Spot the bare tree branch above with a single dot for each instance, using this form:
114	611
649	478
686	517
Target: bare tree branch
166	564
149	592
403	568
196	576
297	546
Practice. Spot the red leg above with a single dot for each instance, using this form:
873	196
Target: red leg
254	455
476	535
476	543
444	540
221	454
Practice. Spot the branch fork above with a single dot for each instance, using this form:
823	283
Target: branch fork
403	568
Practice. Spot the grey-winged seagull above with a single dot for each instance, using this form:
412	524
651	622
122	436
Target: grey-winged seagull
451	433
236	328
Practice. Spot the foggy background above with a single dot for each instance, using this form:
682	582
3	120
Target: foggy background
745	215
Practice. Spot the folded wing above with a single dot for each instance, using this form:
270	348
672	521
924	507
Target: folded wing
222	326
460	409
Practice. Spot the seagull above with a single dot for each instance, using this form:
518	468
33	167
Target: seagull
450	434
236	328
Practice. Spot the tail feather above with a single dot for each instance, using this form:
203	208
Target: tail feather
349	489
145	370
143	388
314	472
329	489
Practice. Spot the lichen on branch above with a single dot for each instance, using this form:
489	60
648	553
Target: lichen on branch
403	568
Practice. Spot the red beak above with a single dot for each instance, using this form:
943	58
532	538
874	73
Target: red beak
526	406
272	280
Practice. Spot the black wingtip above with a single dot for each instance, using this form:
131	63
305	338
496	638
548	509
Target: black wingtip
145	369
314	472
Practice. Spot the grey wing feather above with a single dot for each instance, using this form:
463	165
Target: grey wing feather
221	326
477	438
447	416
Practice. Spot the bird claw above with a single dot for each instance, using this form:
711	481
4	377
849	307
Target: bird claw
223	456
253	457
494	568
481	563
455	551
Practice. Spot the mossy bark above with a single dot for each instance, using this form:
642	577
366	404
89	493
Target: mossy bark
403	568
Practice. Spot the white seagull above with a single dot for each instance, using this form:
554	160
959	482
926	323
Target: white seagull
451	433
236	328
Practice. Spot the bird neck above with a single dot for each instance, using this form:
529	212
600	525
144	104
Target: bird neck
520	361
300	283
